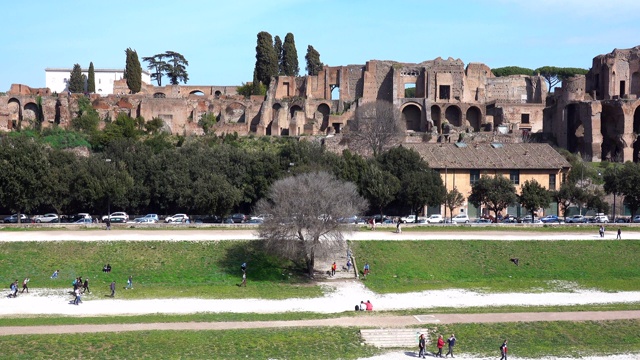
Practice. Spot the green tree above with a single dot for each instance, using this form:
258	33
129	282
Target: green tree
176	68
495	192
133	71
76	82
595	201
314	65
379	187
154	125
91	79
290	56
245	90
87	118
554	75
206	121
512	70
624	181
266	59
157	65
534	196
567	195
401	160
421	188
452	199
277	46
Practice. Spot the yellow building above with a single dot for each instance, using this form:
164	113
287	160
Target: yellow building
460	165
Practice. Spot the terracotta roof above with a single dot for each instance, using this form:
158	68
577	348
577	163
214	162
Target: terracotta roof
490	156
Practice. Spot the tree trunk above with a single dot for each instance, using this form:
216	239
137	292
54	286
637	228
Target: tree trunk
310	264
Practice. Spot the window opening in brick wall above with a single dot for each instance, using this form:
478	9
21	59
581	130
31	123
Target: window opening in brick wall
524	118
445	92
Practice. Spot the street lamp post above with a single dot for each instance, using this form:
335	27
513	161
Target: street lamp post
108	196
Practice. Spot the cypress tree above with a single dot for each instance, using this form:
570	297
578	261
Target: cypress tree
277	46
290	56
91	81
76	82
133	71
314	65
266	59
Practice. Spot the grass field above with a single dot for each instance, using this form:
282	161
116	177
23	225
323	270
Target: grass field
525	340
406	266
160	269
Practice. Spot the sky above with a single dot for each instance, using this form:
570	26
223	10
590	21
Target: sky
218	38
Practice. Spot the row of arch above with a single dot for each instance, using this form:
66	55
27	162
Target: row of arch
161	95
413	117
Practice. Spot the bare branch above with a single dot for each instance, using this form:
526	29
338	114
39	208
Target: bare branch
376	126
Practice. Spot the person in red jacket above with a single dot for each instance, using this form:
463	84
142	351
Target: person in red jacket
440	345
503	350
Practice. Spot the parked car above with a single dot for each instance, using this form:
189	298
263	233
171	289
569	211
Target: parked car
576	219
482	221
460	219
530	220
351	220
636	219
509	219
116	217
435	219
142	220
255	221
209	219
238	218
83	220
601	218
623	219
48	218
13	219
152	217
551	219
177	218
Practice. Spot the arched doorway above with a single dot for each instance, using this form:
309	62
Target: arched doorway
412	115
474	117
275	111
15	113
159	95
235	113
435	117
30	112
635	84
453	114
575	129
197	93
293	110
611	128
325	111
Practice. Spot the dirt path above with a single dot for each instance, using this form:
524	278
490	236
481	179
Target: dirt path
359	321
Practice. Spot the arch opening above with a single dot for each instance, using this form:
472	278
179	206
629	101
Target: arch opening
412	115
474	117
453	115
435	117
325	111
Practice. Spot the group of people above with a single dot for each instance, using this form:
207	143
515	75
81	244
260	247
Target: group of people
368	306
106	268
451	343
13	287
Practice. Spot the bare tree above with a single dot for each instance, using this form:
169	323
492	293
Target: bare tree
304	216
376	126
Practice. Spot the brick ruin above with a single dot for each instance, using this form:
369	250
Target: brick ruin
596	115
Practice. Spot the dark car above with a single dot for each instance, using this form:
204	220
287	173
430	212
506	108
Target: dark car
238	218
13	219
209	219
551	219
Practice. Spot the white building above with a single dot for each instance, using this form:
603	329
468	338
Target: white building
56	79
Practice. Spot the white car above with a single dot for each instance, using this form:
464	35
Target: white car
435	219
118	216
460	219
412	219
48	218
177	218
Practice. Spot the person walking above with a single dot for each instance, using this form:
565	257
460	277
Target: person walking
440	344
77	300
398	226
503	350
55	274
244	279
333	269
451	342
108	223
113	288
601	230
421	344
85	286
348	265
130	282
25	286
365	271
619	237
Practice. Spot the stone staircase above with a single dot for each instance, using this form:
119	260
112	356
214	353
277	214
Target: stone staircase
392	338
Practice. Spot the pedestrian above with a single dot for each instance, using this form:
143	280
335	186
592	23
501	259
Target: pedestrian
398	227
333	269
373	224
440	344
503	350
243	267
348	265
365	271
601	230
108	223
78	300
85	286
24	285
451	342
13	289
619	237
130	282
113	288
55	274
244	279
421	344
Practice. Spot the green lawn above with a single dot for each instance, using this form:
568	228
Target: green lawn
525	340
208	269
405	266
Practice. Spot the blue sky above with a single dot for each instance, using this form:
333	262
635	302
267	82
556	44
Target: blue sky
218	38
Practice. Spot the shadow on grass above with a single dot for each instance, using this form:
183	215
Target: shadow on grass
261	266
